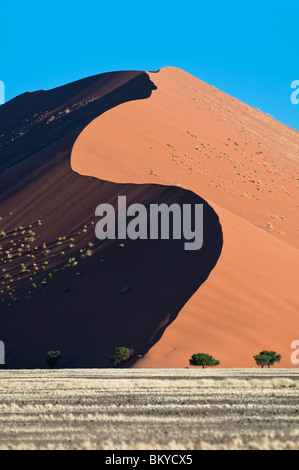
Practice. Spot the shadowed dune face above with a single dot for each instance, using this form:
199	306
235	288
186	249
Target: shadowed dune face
86	317
55	295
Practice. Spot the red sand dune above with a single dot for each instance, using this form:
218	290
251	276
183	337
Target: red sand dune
162	137
60	286
245	164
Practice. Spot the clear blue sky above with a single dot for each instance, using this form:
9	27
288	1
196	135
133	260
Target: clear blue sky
247	49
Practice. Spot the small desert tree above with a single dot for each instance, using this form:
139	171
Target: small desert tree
267	358
52	357
203	360
121	354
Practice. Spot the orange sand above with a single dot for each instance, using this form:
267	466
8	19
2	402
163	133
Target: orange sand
244	163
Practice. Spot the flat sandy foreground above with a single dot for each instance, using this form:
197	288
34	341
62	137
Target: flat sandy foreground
179	409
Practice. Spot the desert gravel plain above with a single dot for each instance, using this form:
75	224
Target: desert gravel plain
123	409
179	409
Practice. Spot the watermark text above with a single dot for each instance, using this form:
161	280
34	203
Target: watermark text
295	354
2	93
2	353
163	222
295	94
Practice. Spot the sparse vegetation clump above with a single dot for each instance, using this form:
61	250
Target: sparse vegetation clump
203	360
267	358
121	355
192	135
27	262
52	357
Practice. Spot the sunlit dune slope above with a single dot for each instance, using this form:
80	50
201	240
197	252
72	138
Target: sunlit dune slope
245	164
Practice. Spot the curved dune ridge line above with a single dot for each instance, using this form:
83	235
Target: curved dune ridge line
243	163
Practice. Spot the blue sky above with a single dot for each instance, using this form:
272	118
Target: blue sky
247	49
